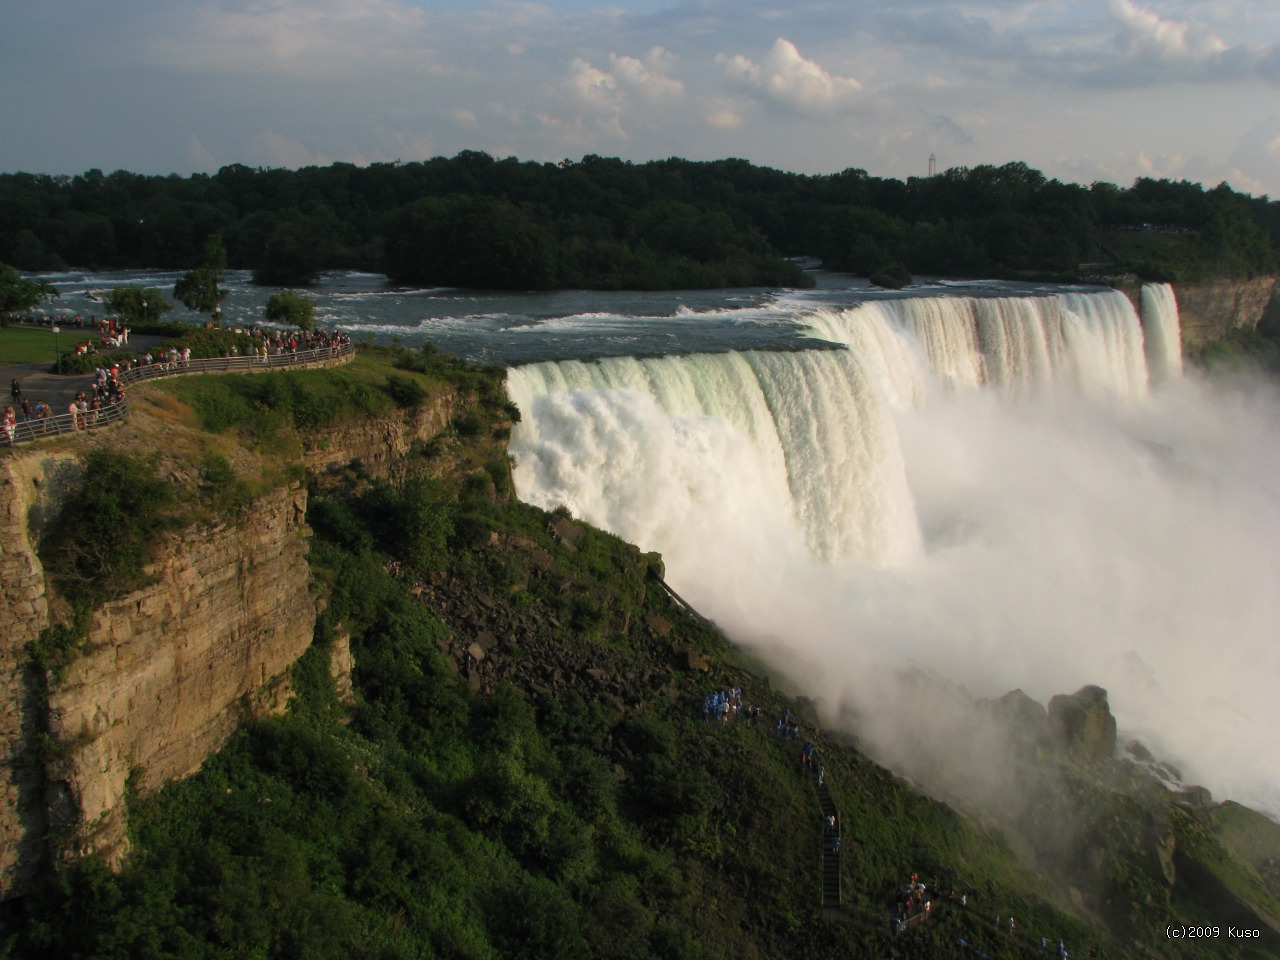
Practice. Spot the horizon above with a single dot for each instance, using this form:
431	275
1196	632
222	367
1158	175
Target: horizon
1093	92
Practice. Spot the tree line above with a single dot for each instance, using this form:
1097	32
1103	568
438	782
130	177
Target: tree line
603	223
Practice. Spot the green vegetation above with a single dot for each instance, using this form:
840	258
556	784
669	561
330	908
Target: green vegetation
99	548
291	308
20	295
137	306
200	289
603	223
1246	350
28	346
559	796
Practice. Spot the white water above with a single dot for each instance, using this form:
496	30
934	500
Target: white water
1164	336
984	486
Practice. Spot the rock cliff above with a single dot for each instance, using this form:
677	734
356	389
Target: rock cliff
166	674
1212	309
381	444
26	484
171	670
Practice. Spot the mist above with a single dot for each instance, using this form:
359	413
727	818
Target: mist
1011	508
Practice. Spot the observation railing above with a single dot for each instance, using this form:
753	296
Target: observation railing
41	428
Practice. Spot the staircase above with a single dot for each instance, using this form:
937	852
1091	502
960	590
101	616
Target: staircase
830	862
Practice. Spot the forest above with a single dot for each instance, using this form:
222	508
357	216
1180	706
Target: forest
473	220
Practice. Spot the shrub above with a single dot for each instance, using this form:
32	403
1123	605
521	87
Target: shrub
405	391
99	546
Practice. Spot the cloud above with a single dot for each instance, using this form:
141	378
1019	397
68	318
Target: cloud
1144	33
949	128
276	150
201	158
310	39
592	86
788	79
648	76
724	118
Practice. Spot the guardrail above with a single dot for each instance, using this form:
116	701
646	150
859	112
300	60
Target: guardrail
43	427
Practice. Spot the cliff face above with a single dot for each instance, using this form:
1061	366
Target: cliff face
167	674
1211	310
26	484
381	444
173	669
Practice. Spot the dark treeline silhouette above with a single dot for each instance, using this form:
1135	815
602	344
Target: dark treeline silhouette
471	220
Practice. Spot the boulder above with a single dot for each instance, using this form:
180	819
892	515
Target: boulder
1082	723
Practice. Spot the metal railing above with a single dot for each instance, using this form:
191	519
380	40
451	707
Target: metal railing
41	428
167	368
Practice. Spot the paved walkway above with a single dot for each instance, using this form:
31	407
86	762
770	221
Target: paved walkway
59	389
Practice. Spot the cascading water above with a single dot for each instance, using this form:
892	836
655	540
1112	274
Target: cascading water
982	485
1163	336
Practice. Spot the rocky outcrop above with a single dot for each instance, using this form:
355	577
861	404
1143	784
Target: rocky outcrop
171	670
1212	309
166	674
381	444
1083	724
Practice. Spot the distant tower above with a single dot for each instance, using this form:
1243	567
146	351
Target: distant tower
933	165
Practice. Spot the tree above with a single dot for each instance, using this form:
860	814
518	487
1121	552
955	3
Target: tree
18	294
463	241
292	308
136	305
292	255
199	289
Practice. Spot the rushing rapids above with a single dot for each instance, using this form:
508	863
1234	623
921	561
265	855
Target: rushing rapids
1014	491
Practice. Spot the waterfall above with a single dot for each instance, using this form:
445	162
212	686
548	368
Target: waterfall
985	486
653	449
1163	332
683	451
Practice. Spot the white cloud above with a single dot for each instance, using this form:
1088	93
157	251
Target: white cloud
1161	167
789	79
591	85
1144	33
305	38
724	118
648	76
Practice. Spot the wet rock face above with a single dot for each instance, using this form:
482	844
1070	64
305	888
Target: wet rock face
1082	723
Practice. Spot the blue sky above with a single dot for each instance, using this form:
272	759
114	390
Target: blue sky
1083	90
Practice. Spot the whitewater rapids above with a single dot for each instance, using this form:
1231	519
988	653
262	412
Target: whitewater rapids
1012	491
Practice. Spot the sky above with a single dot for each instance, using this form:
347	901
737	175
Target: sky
1084	90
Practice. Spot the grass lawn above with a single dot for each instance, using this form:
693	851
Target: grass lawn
31	346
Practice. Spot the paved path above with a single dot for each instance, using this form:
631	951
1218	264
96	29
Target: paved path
59	389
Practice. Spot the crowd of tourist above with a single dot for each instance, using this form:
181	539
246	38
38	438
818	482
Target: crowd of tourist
107	387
